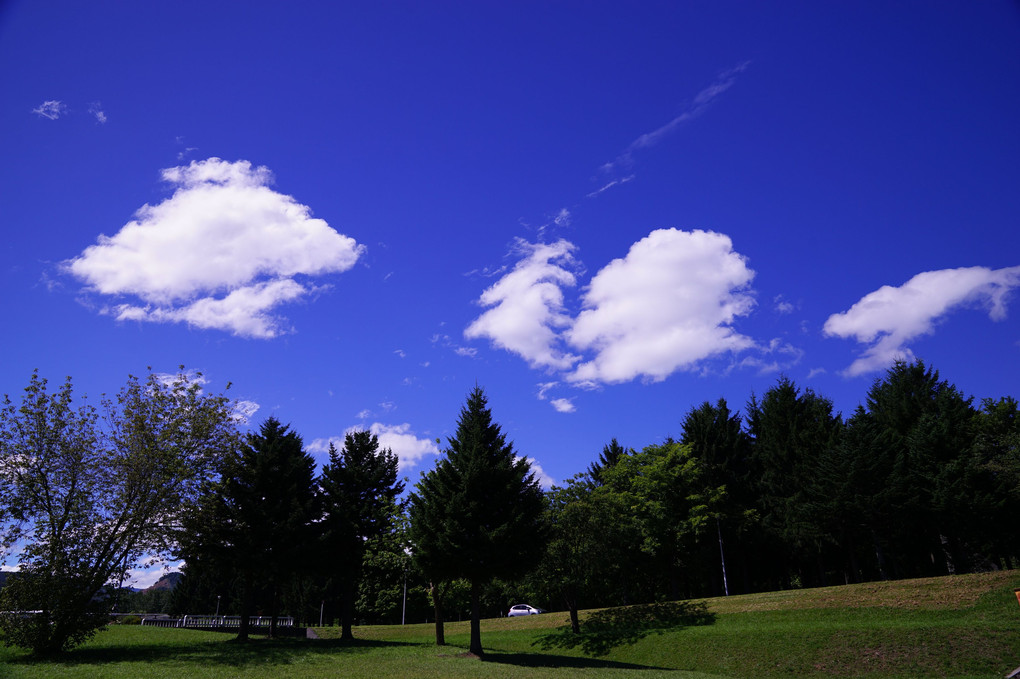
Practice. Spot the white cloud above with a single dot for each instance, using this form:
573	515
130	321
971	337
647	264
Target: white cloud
399	438
888	318
774	357
223	252
50	109
96	109
245	410
527	305
782	306
562	217
697	106
563	405
544	480
664	307
609	185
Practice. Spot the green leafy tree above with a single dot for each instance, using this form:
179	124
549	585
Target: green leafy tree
90	497
673	504
591	532
358	488
478	514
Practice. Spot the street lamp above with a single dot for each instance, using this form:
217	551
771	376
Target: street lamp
217	605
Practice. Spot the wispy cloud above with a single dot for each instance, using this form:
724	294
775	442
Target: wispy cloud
52	109
701	101
96	109
223	252
889	318
561	405
605	187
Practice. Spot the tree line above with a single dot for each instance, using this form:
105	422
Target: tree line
917	481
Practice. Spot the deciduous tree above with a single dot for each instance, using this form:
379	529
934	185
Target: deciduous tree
88	497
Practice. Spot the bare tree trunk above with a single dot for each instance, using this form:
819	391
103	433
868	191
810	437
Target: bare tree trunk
722	558
246	585
476	620
347	610
437	607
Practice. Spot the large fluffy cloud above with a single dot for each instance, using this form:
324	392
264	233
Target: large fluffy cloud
526	311
222	252
888	318
664	307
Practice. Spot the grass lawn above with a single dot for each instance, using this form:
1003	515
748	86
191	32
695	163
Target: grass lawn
962	626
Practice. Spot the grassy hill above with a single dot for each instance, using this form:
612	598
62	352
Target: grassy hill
961	626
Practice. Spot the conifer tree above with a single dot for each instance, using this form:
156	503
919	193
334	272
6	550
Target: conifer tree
478	514
611	454
358	488
256	521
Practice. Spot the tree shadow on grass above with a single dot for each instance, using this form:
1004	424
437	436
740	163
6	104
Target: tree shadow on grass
604	630
226	652
545	660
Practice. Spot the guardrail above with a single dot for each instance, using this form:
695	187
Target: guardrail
216	621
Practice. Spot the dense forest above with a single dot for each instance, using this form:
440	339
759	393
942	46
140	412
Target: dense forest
785	493
917	481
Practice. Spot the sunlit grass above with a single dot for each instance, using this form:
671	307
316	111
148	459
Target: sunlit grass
965	626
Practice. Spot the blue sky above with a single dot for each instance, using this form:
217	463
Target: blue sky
603	213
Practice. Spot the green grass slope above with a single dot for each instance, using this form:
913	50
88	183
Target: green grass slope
959	627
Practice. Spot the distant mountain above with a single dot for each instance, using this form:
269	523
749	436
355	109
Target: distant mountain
168	581
3	577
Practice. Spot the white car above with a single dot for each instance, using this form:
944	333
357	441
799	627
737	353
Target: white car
523	609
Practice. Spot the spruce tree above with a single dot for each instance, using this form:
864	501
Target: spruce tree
358	488
256	522
478	514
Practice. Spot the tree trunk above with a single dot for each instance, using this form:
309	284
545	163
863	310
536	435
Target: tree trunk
347	610
570	599
476	620
437	607
722	558
273	614
242	630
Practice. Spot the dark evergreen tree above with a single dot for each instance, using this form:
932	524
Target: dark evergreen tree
791	430
256	521
717	439
358	488
478	514
925	428
611	454
997	467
